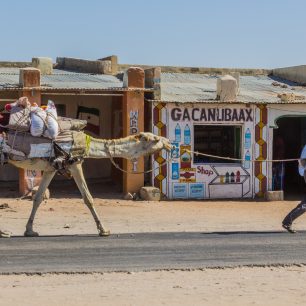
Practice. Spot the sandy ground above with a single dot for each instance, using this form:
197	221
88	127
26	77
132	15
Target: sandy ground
122	216
238	286
241	286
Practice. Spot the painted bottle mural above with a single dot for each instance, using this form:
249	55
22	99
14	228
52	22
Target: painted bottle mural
227	177
222	179
175	171
238	176
177	133
247	139
247	160
187	136
232	177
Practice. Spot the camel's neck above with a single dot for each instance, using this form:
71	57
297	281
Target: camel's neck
104	148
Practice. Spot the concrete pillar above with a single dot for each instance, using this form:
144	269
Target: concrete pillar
133	123
114	63
29	79
152	80
44	64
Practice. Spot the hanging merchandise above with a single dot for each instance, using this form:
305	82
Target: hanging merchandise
51	121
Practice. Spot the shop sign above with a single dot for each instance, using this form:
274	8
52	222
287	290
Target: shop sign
204	171
134	122
196	190
187	175
179	191
212	114
185	156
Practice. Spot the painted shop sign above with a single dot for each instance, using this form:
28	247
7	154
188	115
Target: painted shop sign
180	191
187	175
196	191
204	171
212	114
185	156
134	122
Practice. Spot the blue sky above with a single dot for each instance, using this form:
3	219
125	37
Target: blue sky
215	33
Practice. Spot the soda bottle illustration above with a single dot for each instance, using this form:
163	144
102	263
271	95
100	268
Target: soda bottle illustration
187	137
247	160
222	179
232	177
177	133
175	171
247	139
227	177
238	176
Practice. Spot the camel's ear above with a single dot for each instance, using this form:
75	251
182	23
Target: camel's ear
137	137
156	139
144	136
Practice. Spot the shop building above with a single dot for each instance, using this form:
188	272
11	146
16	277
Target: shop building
249	118
110	101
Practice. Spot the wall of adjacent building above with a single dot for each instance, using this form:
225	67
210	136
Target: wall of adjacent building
294	73
93	168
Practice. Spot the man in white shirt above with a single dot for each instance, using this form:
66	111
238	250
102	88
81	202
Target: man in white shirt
301	208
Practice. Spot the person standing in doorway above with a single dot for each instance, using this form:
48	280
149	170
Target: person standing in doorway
301	208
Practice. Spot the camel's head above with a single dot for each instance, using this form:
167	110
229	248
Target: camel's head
151	143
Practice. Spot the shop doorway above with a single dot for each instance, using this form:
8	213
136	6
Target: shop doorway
288	140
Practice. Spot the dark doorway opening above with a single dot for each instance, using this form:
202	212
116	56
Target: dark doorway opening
288	141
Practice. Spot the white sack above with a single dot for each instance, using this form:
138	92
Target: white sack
38	121
52	124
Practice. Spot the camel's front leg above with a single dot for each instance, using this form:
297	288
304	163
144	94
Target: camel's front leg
39	196
77	173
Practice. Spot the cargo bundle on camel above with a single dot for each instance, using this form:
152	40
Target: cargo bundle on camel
60	145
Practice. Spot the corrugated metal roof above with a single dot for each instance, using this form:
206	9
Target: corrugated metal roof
9	78
188	87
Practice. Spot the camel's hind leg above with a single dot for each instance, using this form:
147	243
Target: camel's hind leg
77	173
39	196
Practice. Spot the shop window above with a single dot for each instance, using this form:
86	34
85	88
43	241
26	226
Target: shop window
218	140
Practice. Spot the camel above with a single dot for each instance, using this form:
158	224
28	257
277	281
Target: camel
130	147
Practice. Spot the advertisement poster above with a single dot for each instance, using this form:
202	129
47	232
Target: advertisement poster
175	171
196	191
185	156
180	191
175	152
187	175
